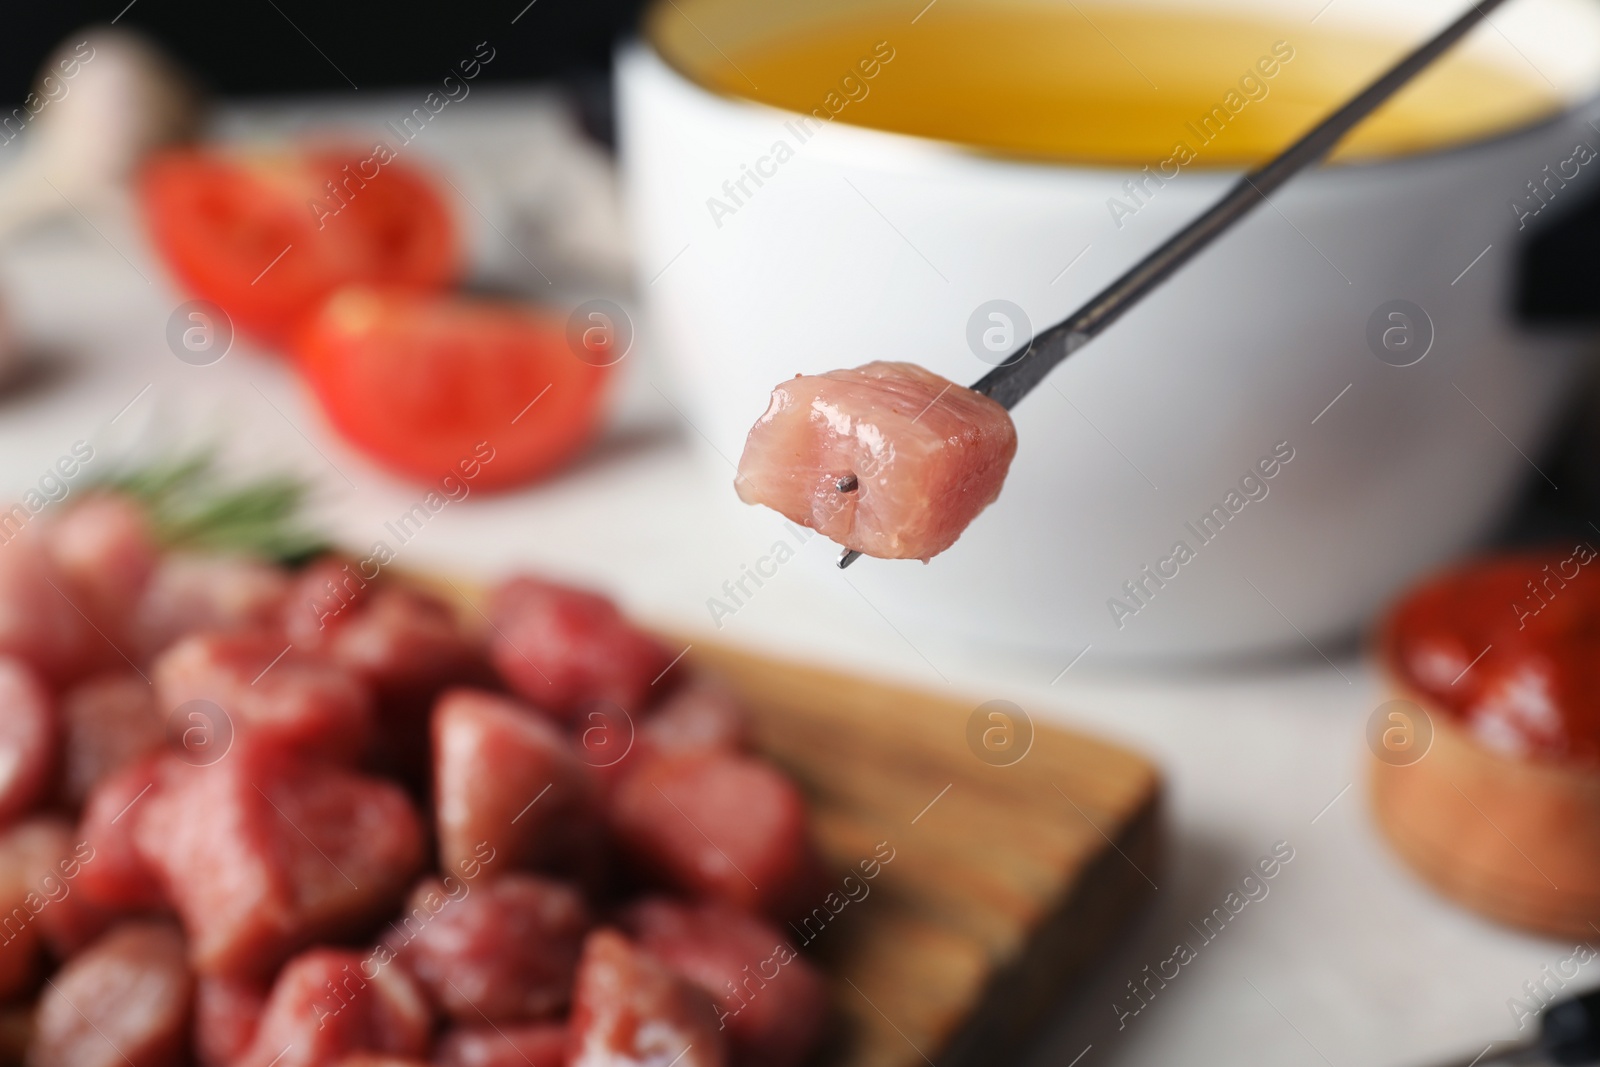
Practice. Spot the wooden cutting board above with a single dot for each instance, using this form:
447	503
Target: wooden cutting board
1007	877
1005	880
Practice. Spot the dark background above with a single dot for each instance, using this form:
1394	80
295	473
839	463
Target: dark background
251	47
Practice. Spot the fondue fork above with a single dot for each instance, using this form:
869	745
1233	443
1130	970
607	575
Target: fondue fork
1014	379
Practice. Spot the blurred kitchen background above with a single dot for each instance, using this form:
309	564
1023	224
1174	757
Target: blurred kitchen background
260	51
1261	737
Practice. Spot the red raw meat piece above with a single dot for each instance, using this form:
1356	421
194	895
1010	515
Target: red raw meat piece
719	825
505	778
773	1004
502	951
928	455
375	1059
262	853
405	639
47	859
563	648
39	623
531	1045
325	597
612	743
701	714
28	851
107	723
297	699
409	647
630	1011
105	548
328	1004
28	739
66	928
72	923
123	1000
226	1012
191	593
118	878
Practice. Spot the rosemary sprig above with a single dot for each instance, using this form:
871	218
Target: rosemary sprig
191	506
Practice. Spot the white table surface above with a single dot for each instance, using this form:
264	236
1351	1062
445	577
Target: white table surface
1348	961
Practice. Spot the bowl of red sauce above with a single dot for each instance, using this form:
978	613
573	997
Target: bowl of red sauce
1486	768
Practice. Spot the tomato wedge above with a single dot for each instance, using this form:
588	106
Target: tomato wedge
269	237
434	386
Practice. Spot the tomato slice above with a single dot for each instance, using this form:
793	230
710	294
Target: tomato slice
436	386
269	238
